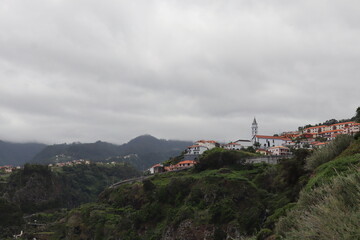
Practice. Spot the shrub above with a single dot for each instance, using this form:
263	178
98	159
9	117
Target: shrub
328	152
148	185
222	212
217	158
357	136
184	213
263	234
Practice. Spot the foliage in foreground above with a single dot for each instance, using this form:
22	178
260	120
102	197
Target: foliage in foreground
328	212
328	207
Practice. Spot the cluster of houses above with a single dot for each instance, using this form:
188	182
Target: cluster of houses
8	169
70	163
277	145
311	137
158	168
330	132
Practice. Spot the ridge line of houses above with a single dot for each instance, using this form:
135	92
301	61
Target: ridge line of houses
311	137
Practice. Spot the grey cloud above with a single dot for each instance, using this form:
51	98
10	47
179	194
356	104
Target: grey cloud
85	70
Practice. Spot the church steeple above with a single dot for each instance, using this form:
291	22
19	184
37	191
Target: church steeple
254	128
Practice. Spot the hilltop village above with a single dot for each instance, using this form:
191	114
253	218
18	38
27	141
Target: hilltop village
276	145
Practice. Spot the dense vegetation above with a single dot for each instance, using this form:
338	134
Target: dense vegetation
222	197
39	188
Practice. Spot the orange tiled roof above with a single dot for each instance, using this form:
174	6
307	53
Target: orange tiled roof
338	130
272	137
279	147
157	165
342	123
193	146
207	141
321	143
316	127
232	143
187	161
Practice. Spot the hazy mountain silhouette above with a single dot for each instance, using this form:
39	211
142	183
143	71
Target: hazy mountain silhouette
18	153
142	151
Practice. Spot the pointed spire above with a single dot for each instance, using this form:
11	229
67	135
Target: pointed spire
254	122
254	128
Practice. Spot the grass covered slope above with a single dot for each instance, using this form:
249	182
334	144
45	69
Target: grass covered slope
328	207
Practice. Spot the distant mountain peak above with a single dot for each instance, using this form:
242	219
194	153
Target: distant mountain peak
145	137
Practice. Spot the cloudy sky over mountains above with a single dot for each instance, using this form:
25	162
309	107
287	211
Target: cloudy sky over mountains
177	69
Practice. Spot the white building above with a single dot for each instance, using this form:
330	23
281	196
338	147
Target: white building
279	150
326	128
354	128
209	144
270	141
232	146
157	168
196	150
244	143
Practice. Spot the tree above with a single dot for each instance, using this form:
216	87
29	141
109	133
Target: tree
357	116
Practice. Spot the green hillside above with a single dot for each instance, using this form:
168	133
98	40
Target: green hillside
314	195
221	197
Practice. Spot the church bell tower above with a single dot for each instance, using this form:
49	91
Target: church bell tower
254	128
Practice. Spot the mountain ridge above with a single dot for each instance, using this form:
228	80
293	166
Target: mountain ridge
142	151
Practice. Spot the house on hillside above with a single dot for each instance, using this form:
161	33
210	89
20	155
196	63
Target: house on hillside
193	152
279	150
326	128
353	129
232	146
196	150
330	134
263	151
185	164
157	168
244	143
7	168
209	144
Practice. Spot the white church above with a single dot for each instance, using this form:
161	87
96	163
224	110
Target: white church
264	141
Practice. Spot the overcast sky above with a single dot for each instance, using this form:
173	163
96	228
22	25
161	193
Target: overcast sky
76	70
